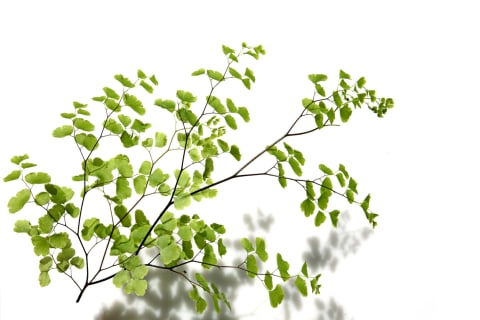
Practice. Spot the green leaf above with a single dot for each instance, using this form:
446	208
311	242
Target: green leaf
45	264
352	185
169	105
200	305
350	196
314	78
295	166
113	126
231	122
59	240
45	224
65	255
216	104
251	265
247	245
344	75
268	280
227	50
141	74
186	96
341	179
281	175
22	226
243	112
307	207
249	74
322	201
361	82
222	250
283	267
320	90
78	105
160	139
83	124
309	189
334	217
181	202
304	269
14	175
111	93
124	81
260	249
78	262
89	228
301	285
320	218
153	80
235	152
246	83
66	115
276	296
325	169
345	113
337	99
44	279
17	202
343	170
40	246
145	167
62	131
140	184
18	159
37	178
26	165
88	141
121	278
215	75
198	72
319	120
134	103
234	73
366	203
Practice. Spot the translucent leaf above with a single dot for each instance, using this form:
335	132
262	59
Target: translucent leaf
160	139
307	207
216	104
281	173
37	178
215	75
111	93
153	80
124	81
113	126
325	169
222	250
246	83
66	115
198	72
352	185
337	99
317	77
26	165
166	104
72	210
182	202
22	226
170	253
268	281
140	126
320	90
88	141
309	189
66	254
45	264
295	166
350	196
344	75
283	267
341	179
322	201
121	278
231	122
334	217
83	124
235	152
186	96
345	113
125	120
227	50
276	296
140	184
209	257
304	269
320	218
78	262
251	265
123	190
45	224
260	249
146	86
145	167
62	131
14	175
89	228
139	272
366	203
208	168
223	145
44	279
141	74
243	112
17	202
200	305
234	73
185	233
40	246
18	159
319	120
301	285
247	245
249	74
134	103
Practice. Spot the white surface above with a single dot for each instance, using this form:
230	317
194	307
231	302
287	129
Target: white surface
419	162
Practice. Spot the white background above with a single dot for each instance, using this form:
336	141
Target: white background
419	162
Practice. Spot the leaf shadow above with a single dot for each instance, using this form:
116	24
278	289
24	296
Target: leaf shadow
167	297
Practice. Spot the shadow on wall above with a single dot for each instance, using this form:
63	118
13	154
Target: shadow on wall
167	297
